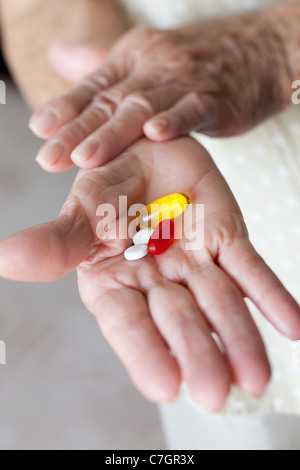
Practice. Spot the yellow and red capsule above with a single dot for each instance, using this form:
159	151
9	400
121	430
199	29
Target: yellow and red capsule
166	208
162	238
156	226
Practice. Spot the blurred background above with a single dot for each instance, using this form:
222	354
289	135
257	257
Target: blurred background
62	387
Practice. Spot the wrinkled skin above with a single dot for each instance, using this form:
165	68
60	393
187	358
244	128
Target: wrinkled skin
150	307
221	78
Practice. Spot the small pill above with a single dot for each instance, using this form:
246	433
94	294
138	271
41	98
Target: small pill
143	236
168	207
136	252
163	237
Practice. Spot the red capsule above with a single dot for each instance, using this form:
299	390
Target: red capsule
162	238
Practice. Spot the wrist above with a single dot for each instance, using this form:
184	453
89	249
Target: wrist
28	32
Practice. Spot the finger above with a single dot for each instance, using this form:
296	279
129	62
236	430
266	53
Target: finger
54	156
202	365
73	63
47	120
258	282
49	251
193	112
230	319
124	319
124	128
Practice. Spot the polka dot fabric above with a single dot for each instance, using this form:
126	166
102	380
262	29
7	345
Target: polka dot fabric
175	13
263	170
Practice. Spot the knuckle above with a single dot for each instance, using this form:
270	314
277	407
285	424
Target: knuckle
229	120
67	103
143	33
196	99
94	118
74	132
104	105
90	84
141	100
135	38
204	104
115	95
208	111
98	81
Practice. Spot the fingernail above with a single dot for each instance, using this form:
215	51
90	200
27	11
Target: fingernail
85	151
51	153
254	392
158	126
45	122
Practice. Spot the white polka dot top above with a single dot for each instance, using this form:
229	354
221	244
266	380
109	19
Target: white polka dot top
174	13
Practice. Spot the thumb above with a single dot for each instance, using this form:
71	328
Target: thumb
49	251
73	62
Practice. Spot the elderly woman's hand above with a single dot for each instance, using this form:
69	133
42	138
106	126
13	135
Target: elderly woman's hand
219	77
158	313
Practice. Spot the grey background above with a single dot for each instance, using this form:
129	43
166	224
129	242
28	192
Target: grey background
62	387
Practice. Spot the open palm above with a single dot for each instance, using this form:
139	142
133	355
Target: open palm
158	313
